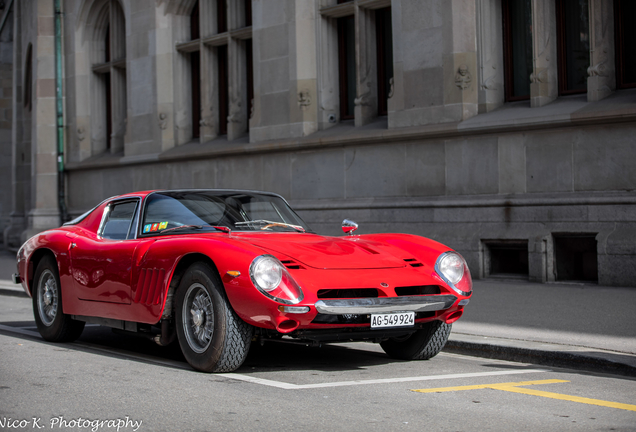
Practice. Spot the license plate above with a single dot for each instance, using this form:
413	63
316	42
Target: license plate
398	319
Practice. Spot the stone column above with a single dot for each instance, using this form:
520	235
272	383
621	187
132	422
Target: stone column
544	78
20	165
490	55
285	70
44	213
435	62
366	101
602	71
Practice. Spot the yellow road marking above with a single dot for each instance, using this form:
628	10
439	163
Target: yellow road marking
515	388
490	386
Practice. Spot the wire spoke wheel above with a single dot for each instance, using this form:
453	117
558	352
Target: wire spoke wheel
47	297
212	337
52	323
199	325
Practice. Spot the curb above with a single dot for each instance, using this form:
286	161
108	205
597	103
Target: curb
557	358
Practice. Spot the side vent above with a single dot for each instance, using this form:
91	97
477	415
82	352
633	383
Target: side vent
150	286
292	265
413	262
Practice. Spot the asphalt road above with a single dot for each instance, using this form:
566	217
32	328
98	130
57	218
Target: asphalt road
351	387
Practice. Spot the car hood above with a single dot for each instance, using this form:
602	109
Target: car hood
330	252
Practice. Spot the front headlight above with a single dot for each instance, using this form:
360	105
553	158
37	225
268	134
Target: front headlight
452	268
267	273
273	280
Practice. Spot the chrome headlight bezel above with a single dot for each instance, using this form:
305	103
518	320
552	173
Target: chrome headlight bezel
448	277
281	282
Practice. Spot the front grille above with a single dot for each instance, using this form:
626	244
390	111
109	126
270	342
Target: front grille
418	290
347	293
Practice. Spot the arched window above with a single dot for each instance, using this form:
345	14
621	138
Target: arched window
108	59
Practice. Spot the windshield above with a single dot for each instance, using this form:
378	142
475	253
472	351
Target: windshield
204	210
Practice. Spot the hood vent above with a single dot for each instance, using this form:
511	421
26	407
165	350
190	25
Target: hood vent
413	262
292	265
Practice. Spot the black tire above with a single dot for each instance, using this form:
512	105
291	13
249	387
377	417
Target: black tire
53	324
219	344
421	345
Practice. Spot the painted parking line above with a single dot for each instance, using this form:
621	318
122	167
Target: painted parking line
516	387
289	386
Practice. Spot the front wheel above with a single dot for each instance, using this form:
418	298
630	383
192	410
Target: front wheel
52	323
421	345
212	337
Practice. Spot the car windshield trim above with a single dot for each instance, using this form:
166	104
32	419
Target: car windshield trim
230	210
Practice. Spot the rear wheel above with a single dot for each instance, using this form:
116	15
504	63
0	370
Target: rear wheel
212	337
52	323
421	345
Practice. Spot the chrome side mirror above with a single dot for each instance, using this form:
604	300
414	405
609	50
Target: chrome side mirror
349	226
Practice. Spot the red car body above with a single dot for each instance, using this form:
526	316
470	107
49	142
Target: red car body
131	283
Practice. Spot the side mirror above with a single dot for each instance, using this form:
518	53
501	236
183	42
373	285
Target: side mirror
349	226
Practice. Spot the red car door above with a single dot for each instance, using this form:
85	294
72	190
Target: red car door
102	264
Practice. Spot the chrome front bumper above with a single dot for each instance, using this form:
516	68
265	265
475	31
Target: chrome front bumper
385	304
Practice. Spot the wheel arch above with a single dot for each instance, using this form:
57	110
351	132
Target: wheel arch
34	260
179	270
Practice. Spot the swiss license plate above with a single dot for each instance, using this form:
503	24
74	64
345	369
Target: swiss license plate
396	319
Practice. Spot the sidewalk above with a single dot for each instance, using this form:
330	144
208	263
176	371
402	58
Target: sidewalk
566	325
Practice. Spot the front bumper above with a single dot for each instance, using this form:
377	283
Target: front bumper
385	304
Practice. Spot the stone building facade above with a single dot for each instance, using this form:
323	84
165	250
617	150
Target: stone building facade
503	128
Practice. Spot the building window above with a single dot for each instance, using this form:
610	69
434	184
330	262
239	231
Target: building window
517	38
28	79
573	45
625	16
223	88
357	52
384	45
576	257
220	63
347	66
109	68
195	72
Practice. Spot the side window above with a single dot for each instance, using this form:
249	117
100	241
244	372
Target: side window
118	221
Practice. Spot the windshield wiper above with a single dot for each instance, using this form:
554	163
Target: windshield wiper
182	227
269	224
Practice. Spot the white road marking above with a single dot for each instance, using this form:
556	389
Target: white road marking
288	386
280	384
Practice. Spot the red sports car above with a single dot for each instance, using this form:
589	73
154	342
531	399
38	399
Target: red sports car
220	269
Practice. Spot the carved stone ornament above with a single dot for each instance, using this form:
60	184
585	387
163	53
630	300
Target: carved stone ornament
163	121
235	112
463	77
541	77
205	121
597	70
391	88
81	133
304	99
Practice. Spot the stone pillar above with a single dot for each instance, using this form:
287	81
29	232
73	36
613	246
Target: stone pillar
435	62
490	55
602	71
544	78
284	70
366	101
44	212
20	166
